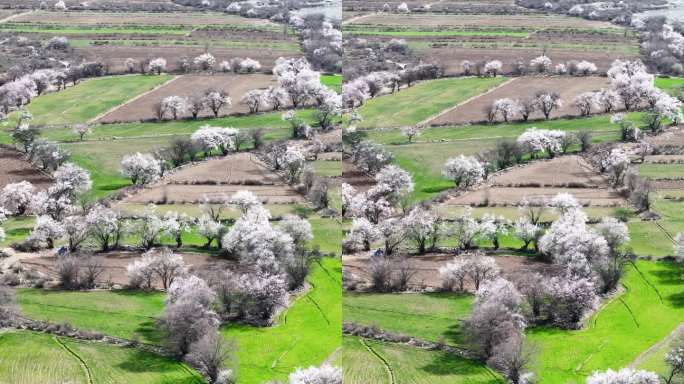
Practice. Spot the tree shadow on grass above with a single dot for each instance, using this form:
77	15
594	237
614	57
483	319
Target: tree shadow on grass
149	332
671	275
445	364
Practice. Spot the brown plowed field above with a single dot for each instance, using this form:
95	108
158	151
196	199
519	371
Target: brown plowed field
544	179
187	85
218	177
568	87
13	169
427	268
115	263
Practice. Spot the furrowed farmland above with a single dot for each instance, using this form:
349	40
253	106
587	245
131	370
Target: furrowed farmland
167	193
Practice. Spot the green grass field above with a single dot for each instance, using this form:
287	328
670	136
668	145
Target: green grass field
89	99
421	101
615	337
409	364
327	168
669	83
30	357
429	316
305	335
661	171
125	314
332	81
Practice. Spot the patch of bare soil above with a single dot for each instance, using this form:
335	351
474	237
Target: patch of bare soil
427	268
543	179
672	138
115	263
562	171
217	177
520	88
14	168
188	85
355	177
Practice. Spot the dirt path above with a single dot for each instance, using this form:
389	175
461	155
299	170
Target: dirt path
103	114
356	18
12	17
444	112
655	347
329	360
384	362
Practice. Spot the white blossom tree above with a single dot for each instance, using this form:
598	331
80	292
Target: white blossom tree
325	374
16	197
465	171
141	168
541	64
157	65
623	376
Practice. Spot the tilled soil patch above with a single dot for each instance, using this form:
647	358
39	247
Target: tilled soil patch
520	88
14	168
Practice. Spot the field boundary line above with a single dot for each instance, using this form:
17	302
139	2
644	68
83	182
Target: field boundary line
657	222
389	369
89	375
285	352
641	274
444	112
643	355
103	114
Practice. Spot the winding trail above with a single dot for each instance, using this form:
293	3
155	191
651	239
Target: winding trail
389	369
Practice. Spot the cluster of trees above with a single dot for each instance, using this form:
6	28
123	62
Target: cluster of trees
21	89
177	106
298	85
362	88
619	12
204	62
321	41
662	44
145	168
544	102
539	65
277	261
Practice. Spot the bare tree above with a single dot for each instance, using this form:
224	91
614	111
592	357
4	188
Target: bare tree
210	354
